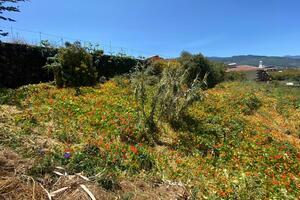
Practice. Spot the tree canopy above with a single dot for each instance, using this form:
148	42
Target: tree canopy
8	6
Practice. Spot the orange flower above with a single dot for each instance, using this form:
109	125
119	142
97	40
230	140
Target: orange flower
51	101
178	161
248	173
134	149
278	157
222	193
275	182
283	176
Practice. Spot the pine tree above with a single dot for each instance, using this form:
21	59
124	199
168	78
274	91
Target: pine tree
8	6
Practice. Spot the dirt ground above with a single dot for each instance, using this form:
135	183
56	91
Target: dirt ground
15	184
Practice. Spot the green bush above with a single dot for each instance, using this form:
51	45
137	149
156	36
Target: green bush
108	181
199	65
235	76
110	66
72	66
156	68
250	103
167	100
290	75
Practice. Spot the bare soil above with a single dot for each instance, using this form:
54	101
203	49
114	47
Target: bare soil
15	184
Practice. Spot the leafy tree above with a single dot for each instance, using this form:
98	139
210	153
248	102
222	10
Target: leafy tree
72	66
198	65
8	8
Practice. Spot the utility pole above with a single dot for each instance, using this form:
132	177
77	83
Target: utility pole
12	32
40	37
110	47
62	42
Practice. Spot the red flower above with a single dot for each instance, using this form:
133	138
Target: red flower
134	149
278	157
51	101
275	182
283	176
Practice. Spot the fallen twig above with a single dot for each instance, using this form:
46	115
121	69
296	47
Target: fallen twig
83	177
58	173
88	192
48	194
52	194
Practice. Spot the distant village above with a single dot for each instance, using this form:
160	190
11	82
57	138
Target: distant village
231	67
260	73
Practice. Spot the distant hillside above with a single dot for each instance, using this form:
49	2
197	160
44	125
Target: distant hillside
296	57
287	61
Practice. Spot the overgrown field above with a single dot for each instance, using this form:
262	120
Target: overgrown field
287	75
241	142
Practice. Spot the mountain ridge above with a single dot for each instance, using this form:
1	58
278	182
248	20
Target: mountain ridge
278	61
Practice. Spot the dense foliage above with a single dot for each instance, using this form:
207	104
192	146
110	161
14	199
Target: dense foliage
23	64
198	64
110	66
195	65
72	66
235	76
241	142
169	98
286	75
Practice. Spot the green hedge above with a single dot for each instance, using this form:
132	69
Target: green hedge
110	66
23	64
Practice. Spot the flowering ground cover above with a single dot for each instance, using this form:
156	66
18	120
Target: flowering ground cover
241	142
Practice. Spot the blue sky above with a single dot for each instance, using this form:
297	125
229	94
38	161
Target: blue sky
166	27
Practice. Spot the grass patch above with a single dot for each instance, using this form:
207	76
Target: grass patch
241	142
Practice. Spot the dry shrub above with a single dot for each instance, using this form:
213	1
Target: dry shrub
167	100
11	164
75	192
12	188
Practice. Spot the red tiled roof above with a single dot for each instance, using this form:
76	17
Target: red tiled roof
241	68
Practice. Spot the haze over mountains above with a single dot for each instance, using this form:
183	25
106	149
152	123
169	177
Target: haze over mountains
253	60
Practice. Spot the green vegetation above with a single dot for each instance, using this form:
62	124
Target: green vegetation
254	60
169	99
166	120
23	64
235	76
195	65
199	65
286	75
72	66
240	142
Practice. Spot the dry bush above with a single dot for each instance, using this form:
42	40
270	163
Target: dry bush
167	100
